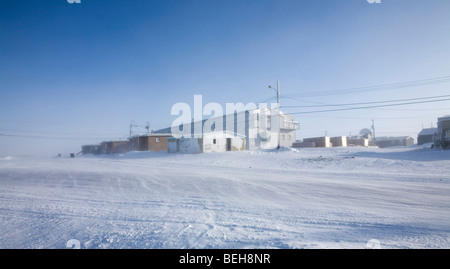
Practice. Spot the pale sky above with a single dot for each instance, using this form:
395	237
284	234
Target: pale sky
75	74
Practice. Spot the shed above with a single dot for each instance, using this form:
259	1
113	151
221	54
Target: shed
338	141
150	142
397	141
357	141
91	149
112	147
320	142
427	135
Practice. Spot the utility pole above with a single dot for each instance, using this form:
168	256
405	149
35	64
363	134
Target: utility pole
148	128
131	127
373	131
279	118
278	112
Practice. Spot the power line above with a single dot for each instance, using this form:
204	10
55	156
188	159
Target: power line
50	137
414	109
366	107
376	102
361	118
380	87
42	137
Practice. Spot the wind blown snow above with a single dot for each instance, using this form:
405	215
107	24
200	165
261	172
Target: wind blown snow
306	198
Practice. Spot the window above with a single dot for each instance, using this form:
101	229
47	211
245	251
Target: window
284	137
214	141
157	140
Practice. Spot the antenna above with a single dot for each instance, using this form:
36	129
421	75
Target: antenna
148	128
373	130
131	127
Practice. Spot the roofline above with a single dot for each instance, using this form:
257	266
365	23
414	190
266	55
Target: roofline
217	133
153	134
225	116
447	117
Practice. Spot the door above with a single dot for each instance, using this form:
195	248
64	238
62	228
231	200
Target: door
228	144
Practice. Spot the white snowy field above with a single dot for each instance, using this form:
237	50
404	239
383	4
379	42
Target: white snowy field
305	198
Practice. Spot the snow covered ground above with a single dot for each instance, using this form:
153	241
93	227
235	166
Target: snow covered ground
305	198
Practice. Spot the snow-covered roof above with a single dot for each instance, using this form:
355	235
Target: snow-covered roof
386	138
444	118
152	135
428	131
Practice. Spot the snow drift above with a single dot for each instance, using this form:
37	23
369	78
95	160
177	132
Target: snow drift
306	198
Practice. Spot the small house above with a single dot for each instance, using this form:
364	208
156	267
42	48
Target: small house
399	141
150	142
338	141
427	135
357	141
113	147
319	142
91	149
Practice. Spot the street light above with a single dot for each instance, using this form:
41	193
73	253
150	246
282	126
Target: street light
278	109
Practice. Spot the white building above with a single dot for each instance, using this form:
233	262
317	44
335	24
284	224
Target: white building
247	130
210	142
262	132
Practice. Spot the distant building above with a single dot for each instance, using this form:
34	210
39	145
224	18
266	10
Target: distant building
326	142
254	129
399	141
112	147
91	149
313	142
443	132
338	141
251	129
304	144
354	141
427	135
150	142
